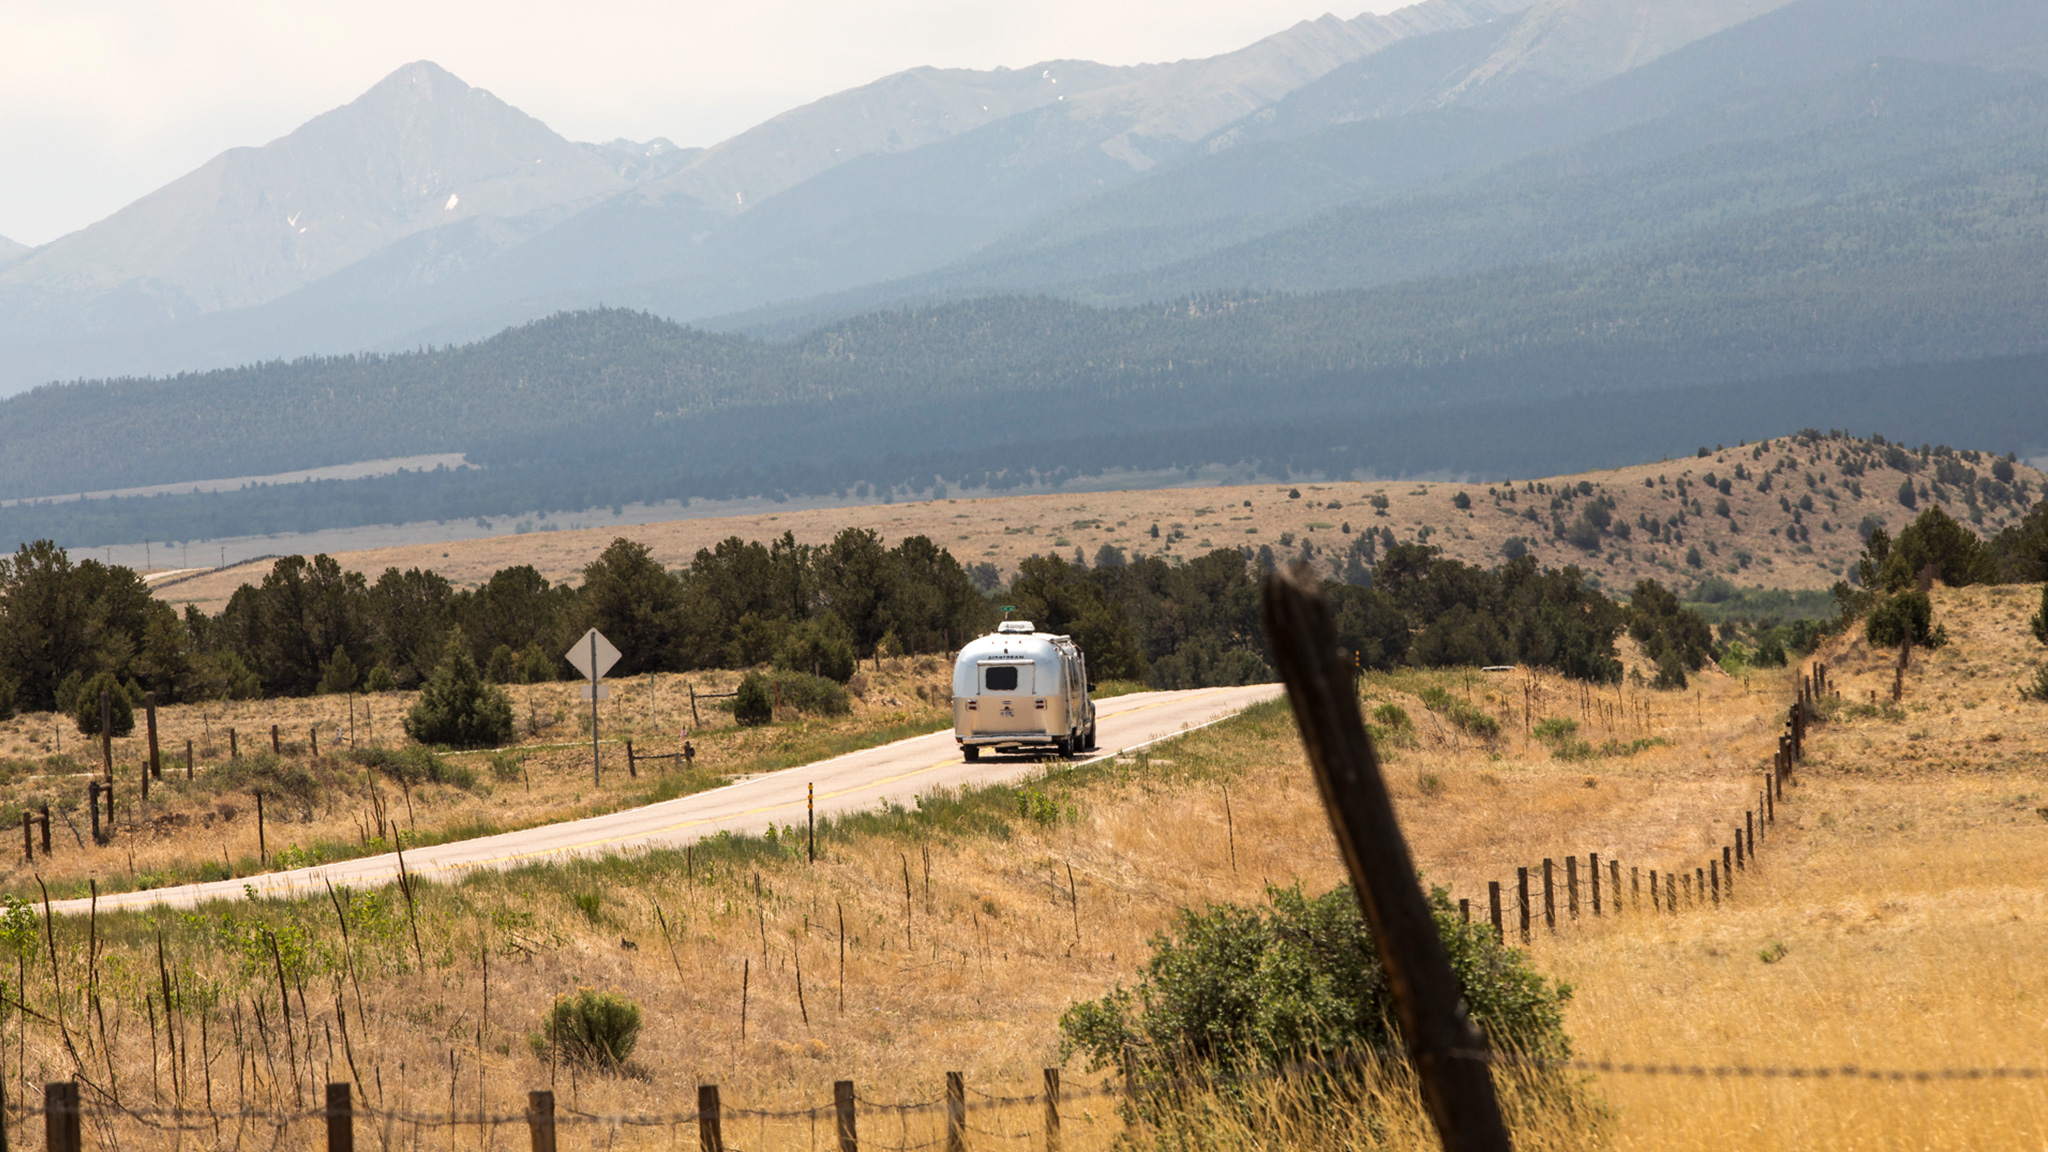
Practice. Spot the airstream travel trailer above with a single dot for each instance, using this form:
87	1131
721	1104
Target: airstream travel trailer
1016	689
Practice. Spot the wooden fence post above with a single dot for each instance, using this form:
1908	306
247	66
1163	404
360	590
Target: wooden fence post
1052	1108
1614	875
1654	894
1493	898
262	847
1450	1055
28	843
313	739
1522	898
540	1120
1571	886
234	745
1728	870
60	1117
1671	892
107	736
1593	862
156	766
43	818
276	744
188	759
956	1113
341	1119
1549	896
842	1108
710	1138
1714	875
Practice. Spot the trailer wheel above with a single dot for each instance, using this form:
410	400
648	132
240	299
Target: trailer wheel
970	752
1065	745
1091	738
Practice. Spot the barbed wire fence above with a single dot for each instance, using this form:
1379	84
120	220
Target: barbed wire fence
962	1114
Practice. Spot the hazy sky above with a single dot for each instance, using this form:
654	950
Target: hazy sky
104	100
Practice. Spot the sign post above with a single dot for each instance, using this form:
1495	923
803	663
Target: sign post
593	655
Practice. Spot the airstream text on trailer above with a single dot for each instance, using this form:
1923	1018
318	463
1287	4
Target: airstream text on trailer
1017	689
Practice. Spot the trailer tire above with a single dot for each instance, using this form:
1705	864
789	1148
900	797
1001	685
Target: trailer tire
1065	746
970	753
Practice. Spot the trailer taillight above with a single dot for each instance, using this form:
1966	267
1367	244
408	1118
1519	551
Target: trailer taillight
1041	705
970	705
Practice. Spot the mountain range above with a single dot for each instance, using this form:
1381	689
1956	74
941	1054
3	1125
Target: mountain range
1574	215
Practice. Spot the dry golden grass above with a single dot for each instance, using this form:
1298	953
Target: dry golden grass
189	829
1899	881
1193	521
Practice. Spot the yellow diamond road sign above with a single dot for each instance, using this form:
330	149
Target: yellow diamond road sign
593	655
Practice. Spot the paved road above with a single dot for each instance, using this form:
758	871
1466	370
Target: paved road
856	782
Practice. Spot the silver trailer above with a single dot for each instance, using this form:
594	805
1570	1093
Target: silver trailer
1016	690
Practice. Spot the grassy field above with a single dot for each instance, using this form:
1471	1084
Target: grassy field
1892	921
331	807
1746	546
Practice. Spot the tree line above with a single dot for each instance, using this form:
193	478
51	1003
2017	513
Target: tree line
311	626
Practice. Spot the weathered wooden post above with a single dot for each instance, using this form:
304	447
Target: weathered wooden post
28	844
1052	1110
1493	898
188	759
156	767
710	1137
43	818
956	1113
842	1109
262	848
1593	866
341	1119
60	1117
1450	1054
234	745
276	744
540	1120
106	746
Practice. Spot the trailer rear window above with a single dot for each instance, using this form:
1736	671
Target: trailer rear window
1002	678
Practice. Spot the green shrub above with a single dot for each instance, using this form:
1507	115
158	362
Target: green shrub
1670	673
339	675
1465	716
458	709
502	667
507	767
280	780
85	709
1896	619
820	646
2040	620
413	767
2038	690
596	1028
1235	987
380	679
755	703
1392	717
807	693
1556	728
